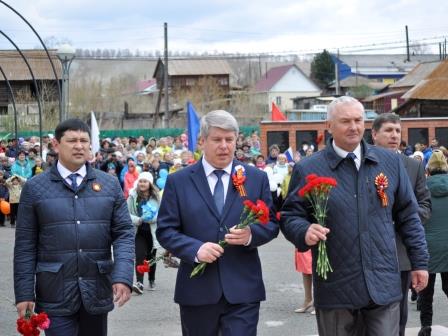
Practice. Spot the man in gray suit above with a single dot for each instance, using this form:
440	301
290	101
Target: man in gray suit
386	133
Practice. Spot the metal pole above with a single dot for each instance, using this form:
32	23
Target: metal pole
336	73
39	105
167	117
13	102
407	45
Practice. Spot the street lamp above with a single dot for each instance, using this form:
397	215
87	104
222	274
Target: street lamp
66	54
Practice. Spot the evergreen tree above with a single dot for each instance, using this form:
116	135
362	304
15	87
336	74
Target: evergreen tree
322	69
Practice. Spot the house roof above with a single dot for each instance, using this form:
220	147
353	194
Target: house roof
384	64
16	70
420	72
354	81
433	87
203	67
273	75
397	93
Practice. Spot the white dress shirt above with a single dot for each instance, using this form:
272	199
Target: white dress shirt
65	173
212	179
343	153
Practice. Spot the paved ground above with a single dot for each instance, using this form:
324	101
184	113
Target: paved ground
154	313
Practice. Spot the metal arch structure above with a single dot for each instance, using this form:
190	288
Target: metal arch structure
13	101
48	55
39	104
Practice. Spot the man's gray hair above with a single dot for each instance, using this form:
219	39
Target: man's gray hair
342	101
220	119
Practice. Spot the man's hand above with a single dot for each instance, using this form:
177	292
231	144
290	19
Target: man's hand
419	280
122	293
316	233
22	307
238	236
209	252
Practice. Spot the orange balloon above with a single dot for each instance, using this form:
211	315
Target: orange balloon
5	208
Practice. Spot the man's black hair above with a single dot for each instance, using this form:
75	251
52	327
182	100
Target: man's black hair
70	125
385	118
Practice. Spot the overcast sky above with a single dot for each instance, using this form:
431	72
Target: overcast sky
262	26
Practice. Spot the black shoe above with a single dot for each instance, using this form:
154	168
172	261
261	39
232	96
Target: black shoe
425	331
138	288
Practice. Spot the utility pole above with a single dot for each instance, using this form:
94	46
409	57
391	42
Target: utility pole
166	116
336	75
407	45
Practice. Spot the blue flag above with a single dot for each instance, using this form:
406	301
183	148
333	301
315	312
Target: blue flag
193	126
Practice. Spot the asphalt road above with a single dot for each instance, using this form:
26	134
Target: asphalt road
155	313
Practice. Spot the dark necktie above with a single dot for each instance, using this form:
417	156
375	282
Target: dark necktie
352	157
73	178
218	192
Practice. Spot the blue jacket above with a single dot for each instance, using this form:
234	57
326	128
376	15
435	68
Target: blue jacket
62	253
188	218
361	243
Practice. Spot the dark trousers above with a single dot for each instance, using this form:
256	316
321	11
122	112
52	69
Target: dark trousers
80	324
13	214
426	297
223	318
405	284
2	219
144	251
372	320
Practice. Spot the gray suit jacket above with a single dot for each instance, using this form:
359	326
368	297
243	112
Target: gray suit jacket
416	173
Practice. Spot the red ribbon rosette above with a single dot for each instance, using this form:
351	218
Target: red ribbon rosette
238	179
381	183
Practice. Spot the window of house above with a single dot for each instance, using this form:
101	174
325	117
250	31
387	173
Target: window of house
278	101
306	137
223	81
190	81
442	135
3	109
419	135
280	138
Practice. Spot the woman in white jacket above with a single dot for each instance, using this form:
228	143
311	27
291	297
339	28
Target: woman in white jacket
143	203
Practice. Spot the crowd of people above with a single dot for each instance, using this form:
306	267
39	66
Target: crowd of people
143	169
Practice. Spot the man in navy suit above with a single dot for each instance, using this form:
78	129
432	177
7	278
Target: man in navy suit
200	207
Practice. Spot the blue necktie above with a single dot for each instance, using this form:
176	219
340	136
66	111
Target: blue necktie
73	178
352	157
218	192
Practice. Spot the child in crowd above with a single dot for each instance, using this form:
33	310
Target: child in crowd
4	195
143	203
14	185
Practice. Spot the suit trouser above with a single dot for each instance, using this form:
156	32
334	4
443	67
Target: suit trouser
405	284
372	320
81	323
222	318
426	298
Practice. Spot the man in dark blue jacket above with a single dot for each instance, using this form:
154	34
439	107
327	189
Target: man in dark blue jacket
386	133
200	207
69	218
364	288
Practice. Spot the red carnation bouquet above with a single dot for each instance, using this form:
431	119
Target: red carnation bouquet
32	324
317	191
146	266
252	213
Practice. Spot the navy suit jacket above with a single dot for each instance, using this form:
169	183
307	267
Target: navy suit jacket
188	218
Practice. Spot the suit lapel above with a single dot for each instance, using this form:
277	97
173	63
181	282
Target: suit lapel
200	181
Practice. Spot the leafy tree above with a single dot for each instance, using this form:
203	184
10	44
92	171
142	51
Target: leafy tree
322	69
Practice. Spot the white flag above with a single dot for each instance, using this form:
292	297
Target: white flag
95	134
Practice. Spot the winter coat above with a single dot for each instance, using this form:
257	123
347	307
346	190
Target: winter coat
136	219
361	243
436	228
21	169
63	253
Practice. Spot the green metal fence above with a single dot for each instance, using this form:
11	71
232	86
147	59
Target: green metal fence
147	133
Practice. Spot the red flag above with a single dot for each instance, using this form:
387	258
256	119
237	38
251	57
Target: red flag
277	115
